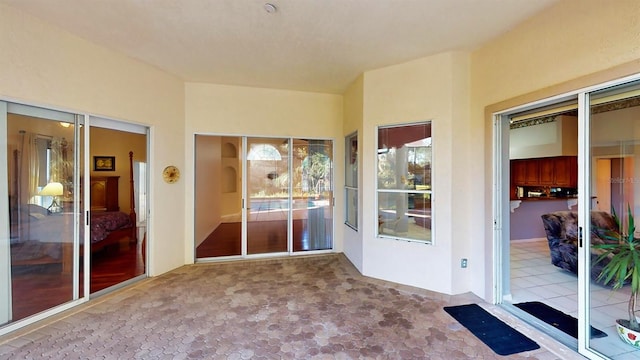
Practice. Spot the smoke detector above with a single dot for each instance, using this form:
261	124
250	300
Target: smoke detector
270	8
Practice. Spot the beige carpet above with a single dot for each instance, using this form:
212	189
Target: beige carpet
315	307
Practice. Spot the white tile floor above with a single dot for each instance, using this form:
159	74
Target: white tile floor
534	278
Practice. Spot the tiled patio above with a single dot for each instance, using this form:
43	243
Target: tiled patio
316	307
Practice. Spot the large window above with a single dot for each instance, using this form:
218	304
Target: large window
404	182
351	181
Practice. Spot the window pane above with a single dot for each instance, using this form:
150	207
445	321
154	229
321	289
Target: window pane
351	180
405	215
404	157
351	211
404	181
351	167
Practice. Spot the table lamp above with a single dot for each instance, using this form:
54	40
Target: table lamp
53	189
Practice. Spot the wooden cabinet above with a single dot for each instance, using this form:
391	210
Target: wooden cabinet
566	171
532	172
547	172
518	171
104	193
560	171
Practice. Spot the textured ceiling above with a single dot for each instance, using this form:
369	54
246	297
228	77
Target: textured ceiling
309	45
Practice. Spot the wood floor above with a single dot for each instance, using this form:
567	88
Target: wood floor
263	237
36	288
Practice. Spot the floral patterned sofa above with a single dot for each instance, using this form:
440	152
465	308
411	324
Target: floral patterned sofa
561	228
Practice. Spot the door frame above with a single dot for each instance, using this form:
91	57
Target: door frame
49	113
244	255
500	199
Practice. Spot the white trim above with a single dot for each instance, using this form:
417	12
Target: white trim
39	112
6	310
568	96
377	233
120	125
41	316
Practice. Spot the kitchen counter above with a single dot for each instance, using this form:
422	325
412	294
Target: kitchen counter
526	221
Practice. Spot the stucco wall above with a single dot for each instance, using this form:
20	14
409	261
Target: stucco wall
236	110
42	65
425	89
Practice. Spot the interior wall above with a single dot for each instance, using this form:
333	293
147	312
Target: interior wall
571	45
419	90
353	121
43	65
106	142
231	170
557	138
237	110
208	161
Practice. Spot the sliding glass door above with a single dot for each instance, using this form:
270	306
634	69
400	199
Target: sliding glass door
40	236
218	196
312	195
613	169
559	261
267	192
257	196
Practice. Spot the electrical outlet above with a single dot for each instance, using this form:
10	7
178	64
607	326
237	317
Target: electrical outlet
463	263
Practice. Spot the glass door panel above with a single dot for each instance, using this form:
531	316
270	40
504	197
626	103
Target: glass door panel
218	200
43	193
614	154
312	195
116	255
267	195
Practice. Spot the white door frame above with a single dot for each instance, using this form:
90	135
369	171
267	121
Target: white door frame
500	202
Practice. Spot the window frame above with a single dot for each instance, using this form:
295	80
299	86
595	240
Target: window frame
408	191
351	162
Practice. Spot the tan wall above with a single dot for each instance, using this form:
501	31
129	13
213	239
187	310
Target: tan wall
419	90
551	53
236	110
43	65
208	162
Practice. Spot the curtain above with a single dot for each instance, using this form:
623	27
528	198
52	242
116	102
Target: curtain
59	169
30	168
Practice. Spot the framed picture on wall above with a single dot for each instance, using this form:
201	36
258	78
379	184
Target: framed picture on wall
104	163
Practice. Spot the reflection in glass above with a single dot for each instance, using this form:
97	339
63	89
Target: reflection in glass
218	200
404	181
312	195
41	163
351	180
614	151
268	195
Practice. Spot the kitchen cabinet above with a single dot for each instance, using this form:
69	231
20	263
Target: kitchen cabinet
547	171
518	171
560	171
532	172
566	171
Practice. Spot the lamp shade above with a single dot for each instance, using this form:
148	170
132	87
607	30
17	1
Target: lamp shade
52	189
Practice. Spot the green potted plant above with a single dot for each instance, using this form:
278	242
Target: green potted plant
623	268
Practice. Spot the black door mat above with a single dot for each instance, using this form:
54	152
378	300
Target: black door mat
556	318
500	337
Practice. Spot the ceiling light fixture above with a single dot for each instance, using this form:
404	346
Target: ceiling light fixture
270	8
